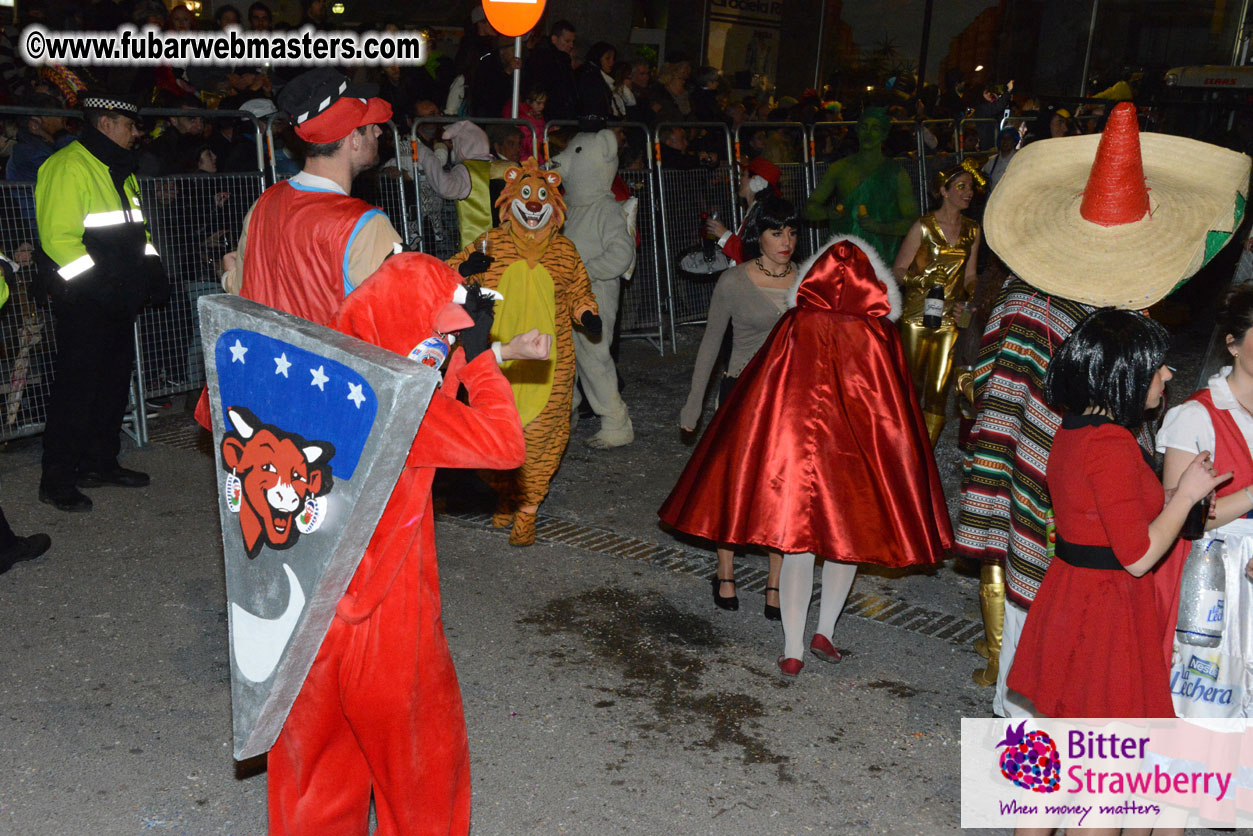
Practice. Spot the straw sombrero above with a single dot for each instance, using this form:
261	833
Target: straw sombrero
1119	219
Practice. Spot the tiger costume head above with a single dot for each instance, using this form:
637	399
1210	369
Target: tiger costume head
531	207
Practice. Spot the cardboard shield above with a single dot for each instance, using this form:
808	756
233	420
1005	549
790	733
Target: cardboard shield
311	428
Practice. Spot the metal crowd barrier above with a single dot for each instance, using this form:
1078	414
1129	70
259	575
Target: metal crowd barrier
980	127
196	218
27	333
684	196
25	325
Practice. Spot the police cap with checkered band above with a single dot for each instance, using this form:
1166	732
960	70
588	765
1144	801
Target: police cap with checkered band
117	102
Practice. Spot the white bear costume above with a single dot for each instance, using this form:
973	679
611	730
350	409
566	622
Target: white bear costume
597	225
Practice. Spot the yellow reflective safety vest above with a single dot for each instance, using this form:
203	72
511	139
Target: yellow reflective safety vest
73	193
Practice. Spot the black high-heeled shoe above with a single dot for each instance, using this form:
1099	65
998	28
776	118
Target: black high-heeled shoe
731	603
772	613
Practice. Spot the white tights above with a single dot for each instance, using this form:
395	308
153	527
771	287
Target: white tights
796	587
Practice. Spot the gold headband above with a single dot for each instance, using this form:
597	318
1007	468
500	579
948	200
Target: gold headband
968	166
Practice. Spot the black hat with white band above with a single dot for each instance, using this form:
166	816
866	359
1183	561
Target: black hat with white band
325	107
125	104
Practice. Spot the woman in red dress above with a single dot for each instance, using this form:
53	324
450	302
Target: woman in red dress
1091	645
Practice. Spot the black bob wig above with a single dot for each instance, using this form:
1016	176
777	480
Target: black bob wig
768	213
1108	362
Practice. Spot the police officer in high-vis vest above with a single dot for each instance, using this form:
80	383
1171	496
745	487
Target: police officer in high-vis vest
306	244
100	269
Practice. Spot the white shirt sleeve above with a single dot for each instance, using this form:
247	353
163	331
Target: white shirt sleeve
1186	427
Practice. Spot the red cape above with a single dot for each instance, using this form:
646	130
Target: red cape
821	446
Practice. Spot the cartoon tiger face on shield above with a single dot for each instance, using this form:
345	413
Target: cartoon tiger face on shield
531	205
275	482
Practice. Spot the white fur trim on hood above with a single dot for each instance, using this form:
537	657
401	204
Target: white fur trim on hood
881	270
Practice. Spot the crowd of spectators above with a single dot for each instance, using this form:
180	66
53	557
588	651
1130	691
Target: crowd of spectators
562	79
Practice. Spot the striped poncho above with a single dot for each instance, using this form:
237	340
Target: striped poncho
1005	506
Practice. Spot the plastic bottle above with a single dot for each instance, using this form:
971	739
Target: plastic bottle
1202	595
430	352
708	242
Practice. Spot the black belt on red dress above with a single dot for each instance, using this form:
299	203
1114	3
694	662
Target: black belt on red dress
1086	557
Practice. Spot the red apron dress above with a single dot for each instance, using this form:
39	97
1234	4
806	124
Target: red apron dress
1091	645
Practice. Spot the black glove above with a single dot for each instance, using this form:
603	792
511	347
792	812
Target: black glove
474	264
158	282
592	324
479	305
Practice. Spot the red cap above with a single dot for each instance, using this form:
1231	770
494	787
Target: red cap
1116	193
342	118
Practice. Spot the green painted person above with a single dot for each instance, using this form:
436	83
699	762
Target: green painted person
866	194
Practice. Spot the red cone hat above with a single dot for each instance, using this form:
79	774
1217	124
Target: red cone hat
1118	219
1116	193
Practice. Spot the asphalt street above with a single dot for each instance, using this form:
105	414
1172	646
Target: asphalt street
604	692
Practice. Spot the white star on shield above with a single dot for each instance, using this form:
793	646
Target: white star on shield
355	394
282	364
319	378
238	351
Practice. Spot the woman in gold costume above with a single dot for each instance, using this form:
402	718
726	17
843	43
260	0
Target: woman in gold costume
939	251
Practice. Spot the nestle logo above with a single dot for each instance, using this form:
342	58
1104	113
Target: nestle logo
1203	667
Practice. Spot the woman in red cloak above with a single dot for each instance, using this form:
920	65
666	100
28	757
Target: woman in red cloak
821	450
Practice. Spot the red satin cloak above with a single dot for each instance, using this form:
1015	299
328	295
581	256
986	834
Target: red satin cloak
821	446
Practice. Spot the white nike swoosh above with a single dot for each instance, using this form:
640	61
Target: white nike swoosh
259	642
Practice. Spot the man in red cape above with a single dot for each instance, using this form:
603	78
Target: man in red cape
821	448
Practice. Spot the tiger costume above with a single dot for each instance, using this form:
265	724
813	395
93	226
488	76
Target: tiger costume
545	286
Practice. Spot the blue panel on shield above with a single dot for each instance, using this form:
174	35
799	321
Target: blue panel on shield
299	391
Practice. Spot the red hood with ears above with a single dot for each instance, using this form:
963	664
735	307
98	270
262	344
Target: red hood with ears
400	304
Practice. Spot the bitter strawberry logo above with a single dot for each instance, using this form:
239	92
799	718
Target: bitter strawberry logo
1030	759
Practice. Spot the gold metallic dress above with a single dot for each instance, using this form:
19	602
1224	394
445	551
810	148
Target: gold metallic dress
929	351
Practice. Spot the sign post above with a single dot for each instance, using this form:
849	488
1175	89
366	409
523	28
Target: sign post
514	18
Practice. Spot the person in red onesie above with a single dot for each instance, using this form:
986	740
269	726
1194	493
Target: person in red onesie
380	711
